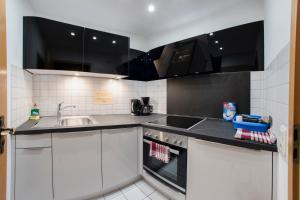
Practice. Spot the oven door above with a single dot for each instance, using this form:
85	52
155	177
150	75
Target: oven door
172	173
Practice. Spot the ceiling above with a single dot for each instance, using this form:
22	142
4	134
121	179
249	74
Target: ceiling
131	16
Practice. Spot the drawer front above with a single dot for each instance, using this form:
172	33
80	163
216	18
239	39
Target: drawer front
33	141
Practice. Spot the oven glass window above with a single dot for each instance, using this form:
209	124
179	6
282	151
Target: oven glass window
174	171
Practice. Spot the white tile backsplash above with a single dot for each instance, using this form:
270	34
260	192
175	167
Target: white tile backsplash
257	100
49	90
20	95
276	87
270	94
157	91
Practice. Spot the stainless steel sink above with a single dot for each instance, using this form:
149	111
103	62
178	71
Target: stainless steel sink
77	121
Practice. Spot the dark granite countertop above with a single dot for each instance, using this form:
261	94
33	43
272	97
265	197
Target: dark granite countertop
214	130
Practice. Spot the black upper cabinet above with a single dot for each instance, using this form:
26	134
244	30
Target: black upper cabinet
52	45
240	48
105	53
59	46
141	67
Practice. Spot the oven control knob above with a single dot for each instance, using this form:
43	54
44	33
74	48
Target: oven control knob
167	139
156	136
175	141
180	143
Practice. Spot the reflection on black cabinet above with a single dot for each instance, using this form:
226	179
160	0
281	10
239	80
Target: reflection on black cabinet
105	53
52	45
59	46
240	48
141	67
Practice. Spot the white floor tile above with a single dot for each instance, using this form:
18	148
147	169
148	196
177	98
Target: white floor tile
128	188
113	195
135	194
99	198
145	187
119	198
157	196
141	190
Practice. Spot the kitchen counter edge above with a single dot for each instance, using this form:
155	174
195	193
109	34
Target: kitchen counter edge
26	129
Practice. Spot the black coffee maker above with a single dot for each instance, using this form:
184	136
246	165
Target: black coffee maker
141	107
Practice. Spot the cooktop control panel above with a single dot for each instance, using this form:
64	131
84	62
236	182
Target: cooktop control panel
166	137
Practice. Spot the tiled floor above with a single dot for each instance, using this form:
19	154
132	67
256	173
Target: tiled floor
138	191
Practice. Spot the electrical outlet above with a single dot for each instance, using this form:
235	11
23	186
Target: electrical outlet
279	144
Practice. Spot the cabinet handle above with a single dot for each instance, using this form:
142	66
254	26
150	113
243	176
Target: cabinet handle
171	150
36	148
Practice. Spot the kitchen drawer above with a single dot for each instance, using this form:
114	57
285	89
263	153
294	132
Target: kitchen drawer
33	141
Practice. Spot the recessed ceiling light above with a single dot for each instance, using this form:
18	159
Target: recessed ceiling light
216	42
76	74
118	77
114	41
151	8
211	34
95	38
72	34
221	48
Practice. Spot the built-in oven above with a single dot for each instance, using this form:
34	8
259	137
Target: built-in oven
173	172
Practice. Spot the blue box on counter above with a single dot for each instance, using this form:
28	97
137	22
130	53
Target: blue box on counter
251	126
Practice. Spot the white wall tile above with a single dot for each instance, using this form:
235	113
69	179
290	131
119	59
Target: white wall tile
276	93
50	90
21	95
257	93
157	91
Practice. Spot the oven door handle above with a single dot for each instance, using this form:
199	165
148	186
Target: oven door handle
173	151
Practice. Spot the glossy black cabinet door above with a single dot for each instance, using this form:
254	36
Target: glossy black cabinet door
142	69
134	53
105	53
235	49
240	48
52	45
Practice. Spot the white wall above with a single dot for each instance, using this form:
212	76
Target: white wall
276	83
277	27
240	13
15	10
19	81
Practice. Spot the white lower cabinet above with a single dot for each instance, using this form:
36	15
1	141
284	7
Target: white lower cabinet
119	156
76	165
217	171
33	174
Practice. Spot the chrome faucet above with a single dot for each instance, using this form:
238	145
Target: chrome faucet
60	108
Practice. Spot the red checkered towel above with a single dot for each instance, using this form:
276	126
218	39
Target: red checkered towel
160	152
262	137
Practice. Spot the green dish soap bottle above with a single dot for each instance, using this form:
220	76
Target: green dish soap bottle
35	113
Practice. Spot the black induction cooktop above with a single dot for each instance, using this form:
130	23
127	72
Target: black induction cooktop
178	122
